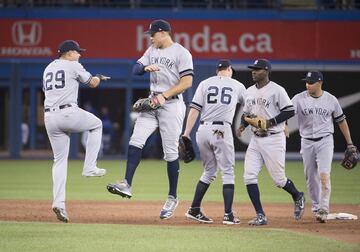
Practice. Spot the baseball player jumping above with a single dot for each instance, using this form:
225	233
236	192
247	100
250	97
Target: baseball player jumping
216	99
267	107
63	116
171	73
316	110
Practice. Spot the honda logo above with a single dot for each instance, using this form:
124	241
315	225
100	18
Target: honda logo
26	33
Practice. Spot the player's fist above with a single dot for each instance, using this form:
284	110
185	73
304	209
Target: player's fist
152	68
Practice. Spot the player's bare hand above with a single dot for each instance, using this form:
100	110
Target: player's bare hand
240	130
186	135
152	68
103	77
161	99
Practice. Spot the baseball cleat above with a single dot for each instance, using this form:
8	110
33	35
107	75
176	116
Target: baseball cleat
299	207
230	219
169	207
196	214
123	189
321	216
98	172
259	220
61	214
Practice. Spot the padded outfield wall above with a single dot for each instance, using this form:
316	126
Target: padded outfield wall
294	41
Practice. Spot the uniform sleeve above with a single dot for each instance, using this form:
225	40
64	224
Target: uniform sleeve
285	103
338	114
294	102
198	99
145	59
82	75
185	63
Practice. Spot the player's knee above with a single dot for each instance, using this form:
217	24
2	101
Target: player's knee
169	157
248	180
208	177
98	126
137	144
228	177
280	182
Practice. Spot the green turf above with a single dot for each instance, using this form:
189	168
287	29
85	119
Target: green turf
30	179
90	237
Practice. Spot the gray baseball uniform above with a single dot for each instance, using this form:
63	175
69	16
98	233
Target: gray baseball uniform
174	62
63	116
315	117
216	99
267	102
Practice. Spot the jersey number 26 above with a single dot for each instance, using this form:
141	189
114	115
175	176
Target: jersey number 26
225	95
58	77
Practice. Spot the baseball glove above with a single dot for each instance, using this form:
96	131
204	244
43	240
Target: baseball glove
257	122
146	104
186	150
351	157
103	77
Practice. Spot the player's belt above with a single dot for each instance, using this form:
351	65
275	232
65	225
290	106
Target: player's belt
265	134
316	139
213	123
170	98
60	107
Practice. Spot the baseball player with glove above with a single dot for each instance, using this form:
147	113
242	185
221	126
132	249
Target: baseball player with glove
267	107
216	99
316	110
171	73
61	80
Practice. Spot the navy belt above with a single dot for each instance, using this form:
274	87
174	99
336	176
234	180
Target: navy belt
60	107
213	123
169	98
316	139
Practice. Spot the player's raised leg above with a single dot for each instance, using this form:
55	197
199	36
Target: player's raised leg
145	125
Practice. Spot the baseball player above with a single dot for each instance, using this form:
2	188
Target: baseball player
267	146
316	110
63	116
216	99
171	73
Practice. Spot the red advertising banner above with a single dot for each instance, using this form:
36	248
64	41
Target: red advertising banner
206	39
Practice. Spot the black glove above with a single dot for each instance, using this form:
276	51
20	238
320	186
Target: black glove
351	157
186	150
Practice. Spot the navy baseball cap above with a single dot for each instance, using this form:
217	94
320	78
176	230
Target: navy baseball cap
158	26
313	77
69	45
223	63
261	64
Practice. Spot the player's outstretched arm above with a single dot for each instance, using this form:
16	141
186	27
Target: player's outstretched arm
95	80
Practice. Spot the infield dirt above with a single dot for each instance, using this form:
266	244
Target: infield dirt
280	215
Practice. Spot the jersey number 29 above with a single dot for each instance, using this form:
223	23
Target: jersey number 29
58	77
225	96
